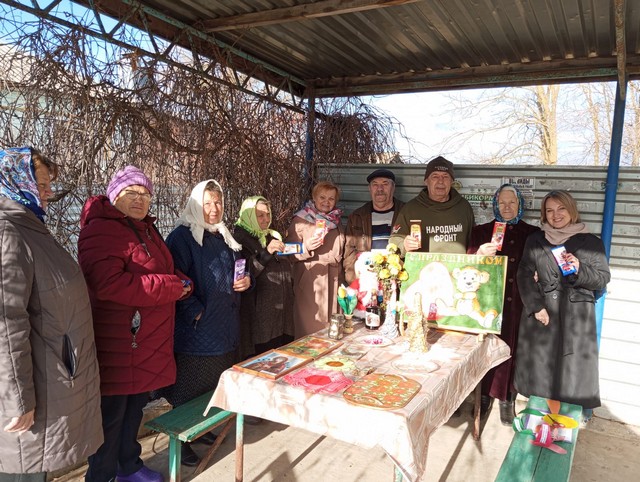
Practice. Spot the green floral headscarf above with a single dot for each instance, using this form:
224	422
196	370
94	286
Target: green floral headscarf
248	220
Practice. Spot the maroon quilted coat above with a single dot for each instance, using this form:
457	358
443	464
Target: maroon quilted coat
124	277
498	383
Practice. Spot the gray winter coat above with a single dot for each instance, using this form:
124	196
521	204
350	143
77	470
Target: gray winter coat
560	360
47	349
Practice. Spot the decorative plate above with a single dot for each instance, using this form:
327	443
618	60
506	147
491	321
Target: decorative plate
387	392
373	340
335	362
415	365
354	351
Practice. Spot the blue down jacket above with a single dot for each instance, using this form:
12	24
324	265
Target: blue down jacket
210	266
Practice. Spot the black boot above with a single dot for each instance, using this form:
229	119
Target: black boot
486	402
188	457
507	412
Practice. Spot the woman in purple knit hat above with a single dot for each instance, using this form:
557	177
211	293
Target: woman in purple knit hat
133	288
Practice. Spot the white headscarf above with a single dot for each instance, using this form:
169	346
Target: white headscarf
193	217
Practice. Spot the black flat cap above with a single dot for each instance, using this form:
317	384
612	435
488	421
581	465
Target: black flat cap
381	173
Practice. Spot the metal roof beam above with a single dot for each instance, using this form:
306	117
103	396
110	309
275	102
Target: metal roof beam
296	13
475	77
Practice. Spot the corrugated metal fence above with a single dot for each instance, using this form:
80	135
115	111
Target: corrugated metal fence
620	342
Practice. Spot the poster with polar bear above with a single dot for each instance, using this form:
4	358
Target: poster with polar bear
463	292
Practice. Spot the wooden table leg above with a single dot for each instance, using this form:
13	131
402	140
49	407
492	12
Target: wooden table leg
476	411
239	447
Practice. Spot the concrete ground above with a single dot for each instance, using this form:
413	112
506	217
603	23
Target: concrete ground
606	451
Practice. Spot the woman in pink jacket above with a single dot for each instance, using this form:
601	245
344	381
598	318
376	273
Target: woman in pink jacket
133	289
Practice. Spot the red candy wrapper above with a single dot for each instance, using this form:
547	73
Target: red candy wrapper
499	229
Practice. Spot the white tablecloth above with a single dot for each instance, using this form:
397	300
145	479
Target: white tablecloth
403	433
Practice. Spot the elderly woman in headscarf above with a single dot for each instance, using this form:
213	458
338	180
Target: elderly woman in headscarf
49	384
508	207
557	355
133	287
317	271
208	323
266	313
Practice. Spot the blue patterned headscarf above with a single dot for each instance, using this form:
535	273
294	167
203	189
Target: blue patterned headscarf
18	179
496	209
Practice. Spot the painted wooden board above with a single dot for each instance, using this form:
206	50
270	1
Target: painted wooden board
526	462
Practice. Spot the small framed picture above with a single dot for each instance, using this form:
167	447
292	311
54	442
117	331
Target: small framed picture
272	364
310	346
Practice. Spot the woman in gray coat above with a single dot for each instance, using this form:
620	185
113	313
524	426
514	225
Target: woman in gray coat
557	355
49	382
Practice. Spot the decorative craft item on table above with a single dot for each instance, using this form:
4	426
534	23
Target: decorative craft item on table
413	363
336	326
373	340
460	292
335	362
272	364
389	327
347	299
546	428
354	351
416	328
318	381
390	272
310	346
388	392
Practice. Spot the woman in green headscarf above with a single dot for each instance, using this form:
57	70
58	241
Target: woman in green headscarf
266	313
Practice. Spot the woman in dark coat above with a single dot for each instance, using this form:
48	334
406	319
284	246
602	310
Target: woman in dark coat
508	207
557	355
266	313
207	324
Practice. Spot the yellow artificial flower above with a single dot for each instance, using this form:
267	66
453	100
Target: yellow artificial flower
394	270
393	248
378	258
342	292
403	275
394	260
384	274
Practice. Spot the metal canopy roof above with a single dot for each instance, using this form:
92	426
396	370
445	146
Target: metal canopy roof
328	48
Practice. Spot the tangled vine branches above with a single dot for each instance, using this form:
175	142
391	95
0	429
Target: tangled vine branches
94	107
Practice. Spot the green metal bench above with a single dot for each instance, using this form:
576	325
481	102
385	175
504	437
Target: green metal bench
526	462
187	423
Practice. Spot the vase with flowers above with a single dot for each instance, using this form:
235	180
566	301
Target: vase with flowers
348	300
390	271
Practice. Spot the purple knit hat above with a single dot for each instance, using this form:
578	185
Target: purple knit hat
129	176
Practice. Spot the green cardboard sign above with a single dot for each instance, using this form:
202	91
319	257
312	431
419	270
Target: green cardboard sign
463	292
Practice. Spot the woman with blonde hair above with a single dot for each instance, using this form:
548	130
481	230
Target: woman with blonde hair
557	355
317	271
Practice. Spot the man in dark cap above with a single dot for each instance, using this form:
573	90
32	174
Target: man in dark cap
369	226
439	213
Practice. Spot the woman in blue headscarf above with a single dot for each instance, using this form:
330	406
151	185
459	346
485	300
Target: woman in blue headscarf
49	382
508	207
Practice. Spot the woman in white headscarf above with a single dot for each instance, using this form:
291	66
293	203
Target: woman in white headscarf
207	324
